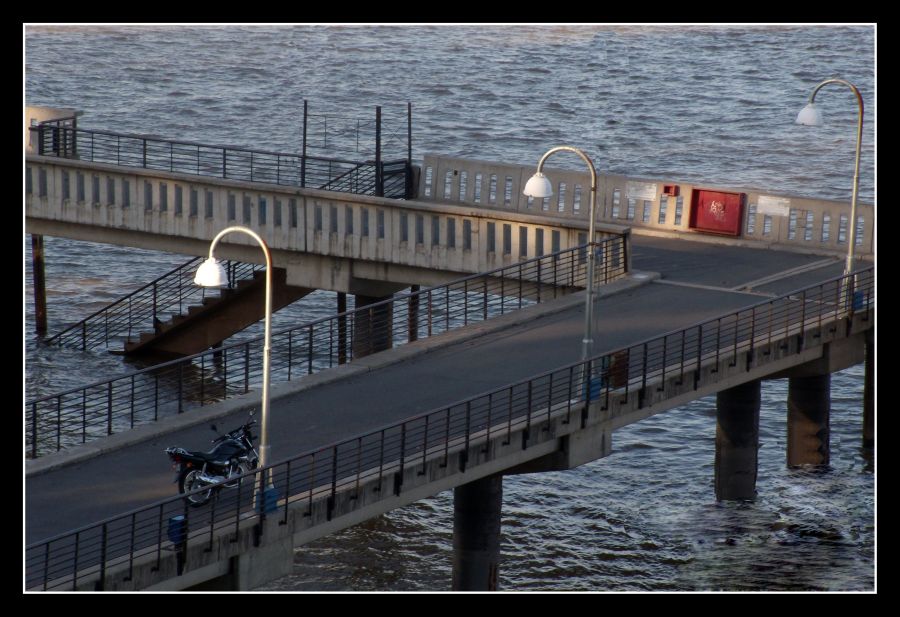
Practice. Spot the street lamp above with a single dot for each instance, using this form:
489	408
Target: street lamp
212	274
539	187
811	116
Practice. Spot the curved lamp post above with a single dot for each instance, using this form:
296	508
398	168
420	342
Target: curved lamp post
539	186
811	116
212	274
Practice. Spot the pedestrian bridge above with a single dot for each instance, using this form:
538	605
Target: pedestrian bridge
500	392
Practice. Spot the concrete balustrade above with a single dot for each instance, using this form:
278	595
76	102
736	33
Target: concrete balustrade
768	219
389	240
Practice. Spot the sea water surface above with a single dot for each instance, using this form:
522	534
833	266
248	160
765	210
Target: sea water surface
712	104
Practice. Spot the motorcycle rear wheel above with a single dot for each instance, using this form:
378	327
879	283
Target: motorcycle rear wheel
188	481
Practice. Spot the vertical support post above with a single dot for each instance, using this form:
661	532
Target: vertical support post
737	441
476	534
342	327
409	170
303	155
869	393
40	287
412	324
809	407
379	176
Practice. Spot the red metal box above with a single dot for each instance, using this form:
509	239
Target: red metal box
717	212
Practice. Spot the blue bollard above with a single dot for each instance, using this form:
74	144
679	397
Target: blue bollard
593	388
177	529
267	501
859	300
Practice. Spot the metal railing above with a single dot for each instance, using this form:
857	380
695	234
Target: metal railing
383	454
110	406
219	161
139	311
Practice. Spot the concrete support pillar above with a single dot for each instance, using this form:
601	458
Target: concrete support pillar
372	327
40	288
809	410
476	534
737	441
342	327
869	393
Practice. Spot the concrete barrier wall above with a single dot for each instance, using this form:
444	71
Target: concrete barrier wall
167	206
815	225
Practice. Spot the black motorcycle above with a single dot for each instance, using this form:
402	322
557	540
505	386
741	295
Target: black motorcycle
232	456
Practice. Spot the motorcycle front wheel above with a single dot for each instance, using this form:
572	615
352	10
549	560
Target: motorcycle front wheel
188	480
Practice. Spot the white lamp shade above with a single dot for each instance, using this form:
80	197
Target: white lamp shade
211	274
538	186
810	116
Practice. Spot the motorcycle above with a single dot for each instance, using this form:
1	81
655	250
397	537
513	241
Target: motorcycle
232	455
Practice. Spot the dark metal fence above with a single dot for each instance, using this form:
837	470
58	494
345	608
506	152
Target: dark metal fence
381	455
110	406
155	302
223	161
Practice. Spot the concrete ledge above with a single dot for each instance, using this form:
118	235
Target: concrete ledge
250	401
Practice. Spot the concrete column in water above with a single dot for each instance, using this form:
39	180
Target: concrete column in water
476	534
869	393
809	409
737	441
40	288
372	326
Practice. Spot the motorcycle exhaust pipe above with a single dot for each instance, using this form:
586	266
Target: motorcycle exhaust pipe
210	479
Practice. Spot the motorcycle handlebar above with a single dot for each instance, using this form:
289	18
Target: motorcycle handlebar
236	432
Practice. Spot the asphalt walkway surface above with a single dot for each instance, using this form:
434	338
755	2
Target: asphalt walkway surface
698	281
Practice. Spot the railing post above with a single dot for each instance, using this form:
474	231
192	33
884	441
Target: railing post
144	158
103	541
246	368
224	163
180	387
464	455
303	155
34	435
109	407
379	170
310	352
398	477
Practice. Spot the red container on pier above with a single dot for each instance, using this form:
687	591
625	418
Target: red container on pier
717	212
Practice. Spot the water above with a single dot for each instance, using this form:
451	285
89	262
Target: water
691	103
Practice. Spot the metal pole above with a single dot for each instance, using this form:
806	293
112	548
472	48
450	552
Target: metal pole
303	155
379	177
851	241
587	343
264	425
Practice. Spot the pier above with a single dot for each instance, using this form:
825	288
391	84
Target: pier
407	409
